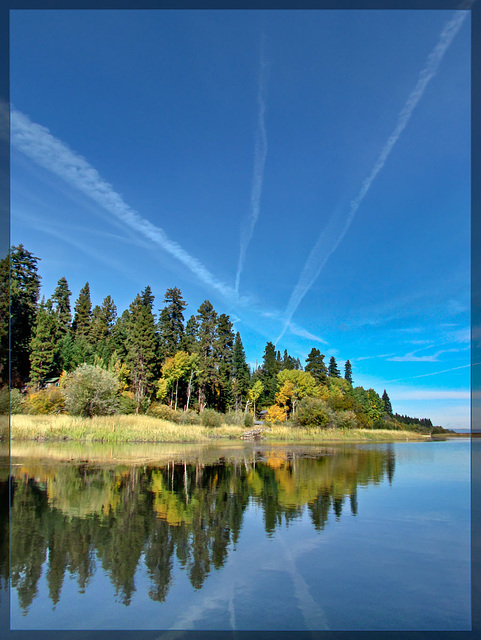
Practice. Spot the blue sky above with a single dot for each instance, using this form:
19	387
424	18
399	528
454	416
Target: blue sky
308	172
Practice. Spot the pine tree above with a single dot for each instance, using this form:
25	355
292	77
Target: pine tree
171	323
141	349
61	306
83	313
24	292
224	346
4	294
189	341
387	403
332	370
240	373
101	328
42	346
348	372
148	298
316	367
207	334
268	373
288	361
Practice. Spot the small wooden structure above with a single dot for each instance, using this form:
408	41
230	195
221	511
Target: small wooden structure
254	434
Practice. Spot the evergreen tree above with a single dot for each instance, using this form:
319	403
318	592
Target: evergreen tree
333	371
207	334
171	323
316	367
24	292
83	313
288	361
189	339
61	306
240	373
348	372
387	403
119	335
224	347
101	328
42	346
4	315
148	298
141	349
268	373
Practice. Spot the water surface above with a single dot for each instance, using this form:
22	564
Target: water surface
241	537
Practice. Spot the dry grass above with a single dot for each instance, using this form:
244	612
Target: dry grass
120	428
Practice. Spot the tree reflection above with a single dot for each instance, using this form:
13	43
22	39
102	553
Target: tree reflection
76	518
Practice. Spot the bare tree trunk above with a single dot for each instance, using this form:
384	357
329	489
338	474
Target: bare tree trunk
176	392
189	388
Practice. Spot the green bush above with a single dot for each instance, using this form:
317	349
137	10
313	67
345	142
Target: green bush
163	412
346	420
126	405
248	420
235	418
91	391
313	412
15	401
210	418
46	401
189	417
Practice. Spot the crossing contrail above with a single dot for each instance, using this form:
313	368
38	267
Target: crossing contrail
260	154
42	147
337	227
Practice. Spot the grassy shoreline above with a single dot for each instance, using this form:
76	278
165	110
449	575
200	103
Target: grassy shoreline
143	429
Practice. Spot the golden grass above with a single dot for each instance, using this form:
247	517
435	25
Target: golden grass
120	428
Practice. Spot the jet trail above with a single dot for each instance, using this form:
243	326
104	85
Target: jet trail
260	154
338	226
42	147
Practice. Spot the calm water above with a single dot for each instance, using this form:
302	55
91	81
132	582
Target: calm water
246	537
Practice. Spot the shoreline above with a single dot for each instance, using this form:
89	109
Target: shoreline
122	429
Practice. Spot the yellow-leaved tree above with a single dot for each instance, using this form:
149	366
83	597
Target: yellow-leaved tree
294	385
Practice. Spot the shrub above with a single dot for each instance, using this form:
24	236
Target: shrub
91	391
189	417
210	418
164	412
4	403
46	401
234	418
126	405
346	420
15	401
248	420
313	412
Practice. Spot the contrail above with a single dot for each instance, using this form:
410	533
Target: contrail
337	227
42	147
260	154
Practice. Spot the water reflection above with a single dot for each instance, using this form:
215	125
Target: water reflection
75	517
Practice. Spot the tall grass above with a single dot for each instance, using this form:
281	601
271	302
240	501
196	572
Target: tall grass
132	428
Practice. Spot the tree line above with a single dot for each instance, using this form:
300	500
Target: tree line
157	356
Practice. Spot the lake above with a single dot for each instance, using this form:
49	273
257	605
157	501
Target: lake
248	536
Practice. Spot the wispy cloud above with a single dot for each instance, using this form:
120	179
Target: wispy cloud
435	373
303	333
411	357
36	142
382	355
427	394
260	154
339	224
